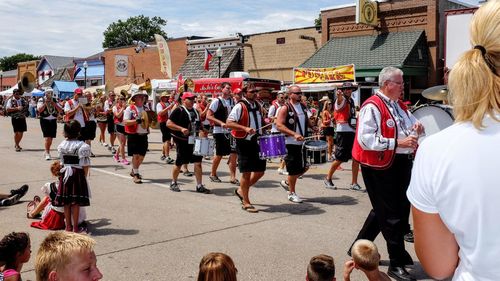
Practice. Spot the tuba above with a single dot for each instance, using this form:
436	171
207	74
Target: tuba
27	83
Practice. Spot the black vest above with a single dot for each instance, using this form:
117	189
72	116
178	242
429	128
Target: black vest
292	120
45	112
221	113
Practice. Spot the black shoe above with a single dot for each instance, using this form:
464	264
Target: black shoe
399	273
20	191
349	252
409	237
202	189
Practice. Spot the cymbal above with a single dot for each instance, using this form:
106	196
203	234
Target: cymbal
439	93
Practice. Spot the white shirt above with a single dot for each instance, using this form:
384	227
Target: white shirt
127	115
342	127
301	115
273	113
78	114
455	175
115	112
235	116
370	135
75	148
228	103
159	108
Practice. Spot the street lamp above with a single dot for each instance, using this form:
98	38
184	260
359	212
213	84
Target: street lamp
85	66
1	80
218	53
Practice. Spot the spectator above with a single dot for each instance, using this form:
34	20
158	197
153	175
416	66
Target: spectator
15	250
321	268
365	257
217	267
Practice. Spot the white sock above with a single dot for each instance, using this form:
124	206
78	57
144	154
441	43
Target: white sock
136	171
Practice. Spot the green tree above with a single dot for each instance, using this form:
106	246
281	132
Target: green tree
122	33
317	21
10	63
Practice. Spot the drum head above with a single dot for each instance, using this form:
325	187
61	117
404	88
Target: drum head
316	145
434	117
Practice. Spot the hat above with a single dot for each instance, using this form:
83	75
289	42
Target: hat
78	91
139	93
187	95
237	91
16	91
49	89
324	98
124	93
348	85
165	95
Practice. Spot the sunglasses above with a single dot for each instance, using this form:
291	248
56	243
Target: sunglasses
297	93
253	91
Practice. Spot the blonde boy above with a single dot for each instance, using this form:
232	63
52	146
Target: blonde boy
67	256
365	257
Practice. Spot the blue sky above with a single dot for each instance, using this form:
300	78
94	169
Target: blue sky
75	27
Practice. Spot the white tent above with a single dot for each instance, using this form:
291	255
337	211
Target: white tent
9	92
35	92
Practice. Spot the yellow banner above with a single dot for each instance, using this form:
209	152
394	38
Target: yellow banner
367	12
323	75
164	52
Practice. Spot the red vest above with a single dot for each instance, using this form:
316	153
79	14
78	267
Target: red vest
342	115
244	121
378	159
162	118
68	118
132	129
117	120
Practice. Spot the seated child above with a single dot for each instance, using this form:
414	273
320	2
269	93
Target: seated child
217	267
66	256
15	250
365	257
321	268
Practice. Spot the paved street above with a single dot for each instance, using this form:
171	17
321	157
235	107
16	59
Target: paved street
150	233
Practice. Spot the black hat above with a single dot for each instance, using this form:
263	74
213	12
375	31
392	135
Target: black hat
16	91
348	85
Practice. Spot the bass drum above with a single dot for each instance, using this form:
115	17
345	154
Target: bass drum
434	117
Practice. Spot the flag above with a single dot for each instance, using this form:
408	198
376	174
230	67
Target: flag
76	69
208	57
164	52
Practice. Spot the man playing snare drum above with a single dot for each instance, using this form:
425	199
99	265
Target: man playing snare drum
185	124
293	120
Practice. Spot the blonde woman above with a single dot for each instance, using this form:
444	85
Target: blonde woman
327	128
455	208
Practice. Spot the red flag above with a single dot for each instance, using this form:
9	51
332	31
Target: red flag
208	57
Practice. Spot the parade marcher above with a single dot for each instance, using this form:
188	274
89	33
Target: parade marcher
137	133
108	108
74	110
17	108
88	133
48	109
73	190
454	184
217	113
345	118
385	143
327	129
294	121
163	109
185	124
246	121
202	106
101	117
272	113
118	111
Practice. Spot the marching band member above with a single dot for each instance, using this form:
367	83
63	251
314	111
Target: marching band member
202	106
294	120
88	133
48	109
108	107
272	113
101	118
74	111
17	108
163	109
137	133
185	123
217	113
118	110
245	120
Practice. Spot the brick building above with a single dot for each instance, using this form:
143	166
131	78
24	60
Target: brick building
124	66
409	35
8	79
273	55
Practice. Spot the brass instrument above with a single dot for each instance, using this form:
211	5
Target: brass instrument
27	83
149	119
187	86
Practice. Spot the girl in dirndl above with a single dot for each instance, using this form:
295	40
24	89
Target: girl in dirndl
73	190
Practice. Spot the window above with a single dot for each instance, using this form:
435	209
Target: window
280	40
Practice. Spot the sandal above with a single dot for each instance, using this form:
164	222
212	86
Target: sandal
30	208
214	179
235	181
249	208
238	195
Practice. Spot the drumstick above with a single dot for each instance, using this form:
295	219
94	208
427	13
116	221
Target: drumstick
264	126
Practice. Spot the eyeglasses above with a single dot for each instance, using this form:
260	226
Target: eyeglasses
113	96
192	99
396	82
297	93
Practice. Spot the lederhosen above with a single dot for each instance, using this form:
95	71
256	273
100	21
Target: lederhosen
48	124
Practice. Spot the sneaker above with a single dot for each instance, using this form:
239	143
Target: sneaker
174	187
105	144
20	191
92	154
202	189
169	160
356	187
187	174
294	198
108	146
116	157
282	172
409	237
125	162
163	157
113	150
284	184
137	178
329	184
47	156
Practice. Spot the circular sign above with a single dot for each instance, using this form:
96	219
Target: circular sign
368	11
121	65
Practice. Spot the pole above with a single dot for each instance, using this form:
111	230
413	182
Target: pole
85	78
1	82
219	67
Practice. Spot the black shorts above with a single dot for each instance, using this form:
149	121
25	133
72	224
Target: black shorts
111	124
185	153
248	156
343	146
120	129
19	124
137	144
295	160
328	131
207	127
49	127
166	135
222	144
88	132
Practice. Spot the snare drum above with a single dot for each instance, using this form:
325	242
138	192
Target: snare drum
434	117
316	151
272	146
204	147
